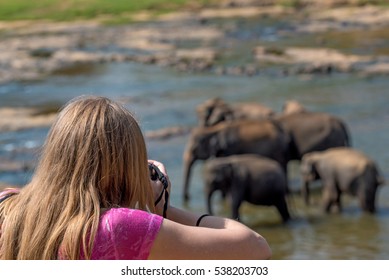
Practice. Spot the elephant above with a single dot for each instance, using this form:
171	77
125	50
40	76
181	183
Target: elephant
342	170
293	106
263	137
313	131
247	177
216	110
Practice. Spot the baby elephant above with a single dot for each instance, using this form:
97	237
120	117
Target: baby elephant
252	178
342	170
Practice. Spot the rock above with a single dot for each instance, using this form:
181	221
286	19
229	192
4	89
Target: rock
42	52
166	133
381	68
12	119
320	60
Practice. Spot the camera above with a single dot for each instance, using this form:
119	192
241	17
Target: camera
156	174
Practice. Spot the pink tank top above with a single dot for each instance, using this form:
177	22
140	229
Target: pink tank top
125	234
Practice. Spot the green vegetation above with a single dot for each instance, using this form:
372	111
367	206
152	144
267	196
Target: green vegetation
119	11
303	3
372	2
291	3
86	9
306	3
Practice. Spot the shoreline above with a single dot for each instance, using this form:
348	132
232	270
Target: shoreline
35	50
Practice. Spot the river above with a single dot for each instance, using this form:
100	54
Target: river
162	97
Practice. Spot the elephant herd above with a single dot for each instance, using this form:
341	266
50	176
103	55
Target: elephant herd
247	147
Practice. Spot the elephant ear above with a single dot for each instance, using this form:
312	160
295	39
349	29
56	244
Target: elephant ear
214	146
223	141
215	117
220	113
229	171
307	167
208	112
207	115
228	177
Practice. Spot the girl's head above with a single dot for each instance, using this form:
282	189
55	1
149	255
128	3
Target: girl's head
96	146
94	157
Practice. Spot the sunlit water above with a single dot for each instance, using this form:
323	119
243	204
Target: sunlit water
161	97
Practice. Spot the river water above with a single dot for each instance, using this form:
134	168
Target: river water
162	97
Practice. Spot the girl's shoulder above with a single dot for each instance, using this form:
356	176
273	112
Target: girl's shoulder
128	213
125	233
130	219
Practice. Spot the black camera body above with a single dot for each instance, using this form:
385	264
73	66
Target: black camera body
156	174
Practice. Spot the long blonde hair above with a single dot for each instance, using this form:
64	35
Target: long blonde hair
94	157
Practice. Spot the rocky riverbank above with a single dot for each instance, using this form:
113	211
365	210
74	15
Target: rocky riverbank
34	50
187	41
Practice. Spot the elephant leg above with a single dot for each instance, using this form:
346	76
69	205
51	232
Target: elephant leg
329	197
237	197
235	208
305	192
282	208
236	201
327	203
338	201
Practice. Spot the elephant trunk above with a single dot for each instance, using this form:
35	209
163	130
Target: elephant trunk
368	203
188	163
367	195
368	189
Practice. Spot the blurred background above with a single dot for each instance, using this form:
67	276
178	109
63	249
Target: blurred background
163	58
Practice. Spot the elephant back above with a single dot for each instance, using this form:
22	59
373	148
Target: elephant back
261	137
314	131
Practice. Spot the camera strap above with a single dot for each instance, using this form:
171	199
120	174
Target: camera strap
164	191
156	174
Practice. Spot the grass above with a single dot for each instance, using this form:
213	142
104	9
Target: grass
302	3
63	10
116	10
